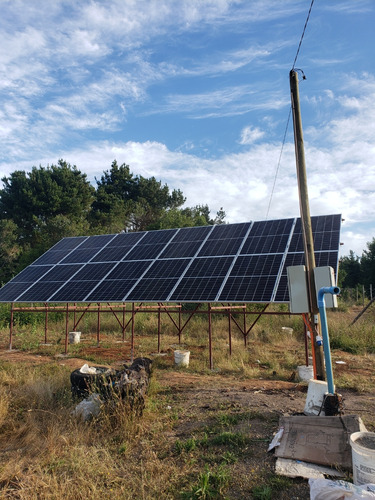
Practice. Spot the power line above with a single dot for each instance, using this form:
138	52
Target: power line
303	33
290	109
278	165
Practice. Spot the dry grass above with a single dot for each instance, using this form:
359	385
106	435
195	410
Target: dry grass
47	454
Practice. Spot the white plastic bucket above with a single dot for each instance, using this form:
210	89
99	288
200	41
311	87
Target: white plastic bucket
74	337
316	391
181	358
363	457
305	373
287	329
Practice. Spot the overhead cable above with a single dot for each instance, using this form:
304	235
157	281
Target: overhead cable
290	109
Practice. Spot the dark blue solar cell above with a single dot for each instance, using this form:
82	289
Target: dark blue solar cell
272	227
197	290
209	267
224	231
81	255
142	252
325	223
163	236
167	268
112	254
61	272
111	291
74	291
296	243
265	244
69	243
31	274
50	257
248	289
257	265
293	259
97	241
192	233
282	294
93	272
228	246
326	241
152	290
180	250
40	292
327	259
126	239
129	270
11	291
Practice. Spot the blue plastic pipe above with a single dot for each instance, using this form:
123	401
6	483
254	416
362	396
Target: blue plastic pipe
334	290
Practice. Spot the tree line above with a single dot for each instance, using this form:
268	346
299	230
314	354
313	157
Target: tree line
39	207
354	270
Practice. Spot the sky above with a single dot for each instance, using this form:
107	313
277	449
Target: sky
196	93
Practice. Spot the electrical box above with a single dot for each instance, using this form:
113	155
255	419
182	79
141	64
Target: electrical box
297	284
325	276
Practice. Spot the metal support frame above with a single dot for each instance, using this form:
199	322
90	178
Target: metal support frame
160	308
46	324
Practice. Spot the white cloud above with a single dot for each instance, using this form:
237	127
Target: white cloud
250	134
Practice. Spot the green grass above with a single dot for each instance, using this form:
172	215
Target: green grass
210	485
271	489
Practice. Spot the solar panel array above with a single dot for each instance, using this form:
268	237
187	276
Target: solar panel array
244	263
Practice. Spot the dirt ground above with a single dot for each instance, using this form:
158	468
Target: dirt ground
198	399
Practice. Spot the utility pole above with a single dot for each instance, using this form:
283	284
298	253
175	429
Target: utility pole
306	224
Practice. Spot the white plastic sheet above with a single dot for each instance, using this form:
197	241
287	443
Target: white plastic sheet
88	369
326	489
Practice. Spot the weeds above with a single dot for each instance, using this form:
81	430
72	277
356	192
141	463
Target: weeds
186	446
210	485
274	485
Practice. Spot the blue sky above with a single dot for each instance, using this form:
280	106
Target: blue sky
196	93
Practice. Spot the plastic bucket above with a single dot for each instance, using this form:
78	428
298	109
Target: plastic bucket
181	358
74	337
316	391
363	457
305	373
287	329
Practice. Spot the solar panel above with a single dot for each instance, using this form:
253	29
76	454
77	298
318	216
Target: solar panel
243	262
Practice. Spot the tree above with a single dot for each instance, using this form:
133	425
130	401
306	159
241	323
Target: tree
368	264
32	199
39	208
9	250
188	217
350	271
133	202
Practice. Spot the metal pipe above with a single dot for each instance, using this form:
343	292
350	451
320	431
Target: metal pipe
46	324
11	325
66	327
210	337
98	326
159	327
334	290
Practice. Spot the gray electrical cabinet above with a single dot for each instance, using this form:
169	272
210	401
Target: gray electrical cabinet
298	295
325	276
298	291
